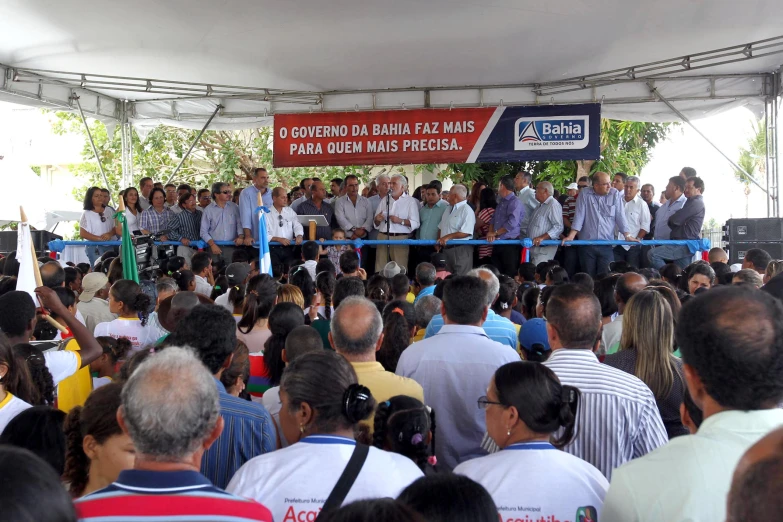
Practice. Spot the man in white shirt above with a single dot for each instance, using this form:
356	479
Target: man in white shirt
731	342
625	288
618	418
523	184
396	218
353	212
283	227
637	215
545	223
675	199
201	264
455	366
456	225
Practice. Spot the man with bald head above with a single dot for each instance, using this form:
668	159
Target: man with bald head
628	285
731	340
600	212
758	479
356	334
617	419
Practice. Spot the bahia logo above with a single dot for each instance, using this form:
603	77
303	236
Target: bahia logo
552	133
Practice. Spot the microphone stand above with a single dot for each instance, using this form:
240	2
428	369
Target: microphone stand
388	226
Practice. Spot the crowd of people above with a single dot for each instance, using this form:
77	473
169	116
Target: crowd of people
471	387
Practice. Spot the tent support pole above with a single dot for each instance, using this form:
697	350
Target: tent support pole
687	120
182	161
94	148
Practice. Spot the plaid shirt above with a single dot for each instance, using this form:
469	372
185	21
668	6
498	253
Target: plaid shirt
308	208
185	225
155	222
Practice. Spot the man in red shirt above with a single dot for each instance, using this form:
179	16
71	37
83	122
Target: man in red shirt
171	411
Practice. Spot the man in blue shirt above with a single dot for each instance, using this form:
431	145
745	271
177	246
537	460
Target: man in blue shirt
210	330
599	212
684	224
248	202
430	215
506	224
496	327
425	277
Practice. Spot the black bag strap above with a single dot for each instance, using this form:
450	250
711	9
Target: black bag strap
346	480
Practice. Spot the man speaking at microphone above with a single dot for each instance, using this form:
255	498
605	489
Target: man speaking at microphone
396	218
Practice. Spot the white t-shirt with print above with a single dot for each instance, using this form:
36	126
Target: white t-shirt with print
62	364
91	222
10	408
536	480
130	328
294	482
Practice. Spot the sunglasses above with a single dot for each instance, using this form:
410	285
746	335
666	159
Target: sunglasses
225	192
281	220
103	218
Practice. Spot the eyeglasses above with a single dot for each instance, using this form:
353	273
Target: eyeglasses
484	402
204	197
225	192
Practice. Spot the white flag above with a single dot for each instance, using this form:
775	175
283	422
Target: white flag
25	281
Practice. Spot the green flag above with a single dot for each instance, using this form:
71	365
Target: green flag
127	252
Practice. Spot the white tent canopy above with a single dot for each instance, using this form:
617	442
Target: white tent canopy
23	187
372	54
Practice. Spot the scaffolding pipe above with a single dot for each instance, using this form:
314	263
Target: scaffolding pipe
688	121
94	148
193	144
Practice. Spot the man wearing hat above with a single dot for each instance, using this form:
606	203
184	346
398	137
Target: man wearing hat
237	274
534	341
92	302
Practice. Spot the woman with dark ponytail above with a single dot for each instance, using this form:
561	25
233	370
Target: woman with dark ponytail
107	365
41	377
319	315
526	406
186	280
406	426
322	405
133	307
96	448
399	323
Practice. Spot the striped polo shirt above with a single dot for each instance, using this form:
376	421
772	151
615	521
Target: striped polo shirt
167	495
617	418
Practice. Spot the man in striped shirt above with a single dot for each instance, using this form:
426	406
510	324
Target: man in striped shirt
171	411
546	222
617	419
185	226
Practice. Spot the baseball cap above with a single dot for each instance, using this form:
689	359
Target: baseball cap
392	269
237	272
534	332
438	260
92	283
572	186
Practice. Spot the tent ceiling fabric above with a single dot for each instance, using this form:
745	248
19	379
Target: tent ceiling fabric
375	45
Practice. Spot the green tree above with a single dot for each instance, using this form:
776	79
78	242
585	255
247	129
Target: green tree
752	158
625	147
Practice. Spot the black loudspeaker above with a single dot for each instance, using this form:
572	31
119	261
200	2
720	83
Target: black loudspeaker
41	240
750	230
737	250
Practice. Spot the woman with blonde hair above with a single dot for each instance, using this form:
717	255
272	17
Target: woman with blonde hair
646	348
290	294
774	268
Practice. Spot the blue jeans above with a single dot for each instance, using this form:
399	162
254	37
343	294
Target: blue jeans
595	259
94	252
678	254
631	256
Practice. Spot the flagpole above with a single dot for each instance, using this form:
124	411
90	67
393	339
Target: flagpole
38	280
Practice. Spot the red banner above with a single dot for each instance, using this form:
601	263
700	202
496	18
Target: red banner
379	137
